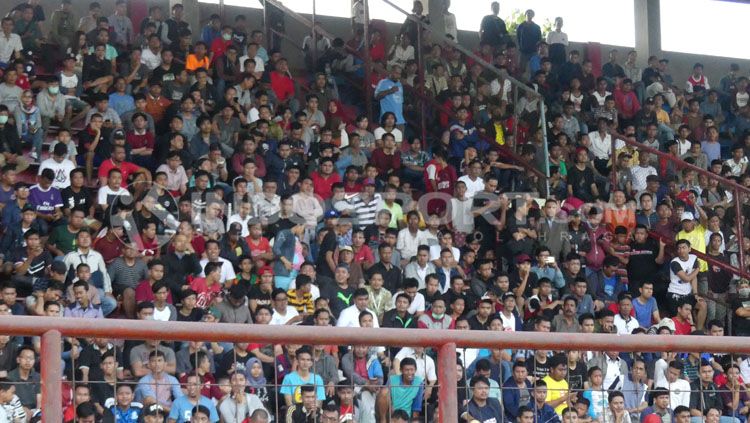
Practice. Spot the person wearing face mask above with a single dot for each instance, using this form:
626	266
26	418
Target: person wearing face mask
741	307
219	45
51	104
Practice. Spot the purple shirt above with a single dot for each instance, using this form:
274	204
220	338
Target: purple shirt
45	201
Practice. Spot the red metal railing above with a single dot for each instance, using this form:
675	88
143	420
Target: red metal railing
52	330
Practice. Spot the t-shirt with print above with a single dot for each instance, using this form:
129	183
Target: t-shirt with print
45	201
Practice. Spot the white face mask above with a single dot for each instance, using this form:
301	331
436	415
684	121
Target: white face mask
744	292
54	90
3	119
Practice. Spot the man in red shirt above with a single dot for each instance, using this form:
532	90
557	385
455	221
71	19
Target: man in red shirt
141	141
118	161
386	158
324	178
220	44
683	320
281	82
439	176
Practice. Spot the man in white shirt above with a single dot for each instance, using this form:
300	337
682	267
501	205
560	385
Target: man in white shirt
421	267
349	317
624	322
679	389
425	363
212	253
85	254
417	305
283	313
642	171
60	165
151	56
252	53
410	238
10	43
449	20
474	182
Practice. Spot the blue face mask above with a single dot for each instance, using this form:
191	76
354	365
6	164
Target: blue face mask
3	119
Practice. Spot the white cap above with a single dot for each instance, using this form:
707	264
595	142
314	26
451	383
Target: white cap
666	322
687	216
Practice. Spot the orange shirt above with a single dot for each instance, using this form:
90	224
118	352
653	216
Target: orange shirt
614	218
192	63
156	107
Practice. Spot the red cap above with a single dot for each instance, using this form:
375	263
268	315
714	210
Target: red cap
265	269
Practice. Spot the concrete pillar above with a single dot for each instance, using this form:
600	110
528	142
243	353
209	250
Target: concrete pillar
654	27
641	30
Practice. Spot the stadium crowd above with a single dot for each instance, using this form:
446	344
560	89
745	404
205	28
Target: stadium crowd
187	174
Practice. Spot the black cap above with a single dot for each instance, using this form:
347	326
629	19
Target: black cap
20	185
119	134
28	207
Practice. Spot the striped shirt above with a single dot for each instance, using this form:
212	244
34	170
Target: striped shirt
303	304
366	212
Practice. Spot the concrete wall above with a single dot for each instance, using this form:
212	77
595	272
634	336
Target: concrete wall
646	21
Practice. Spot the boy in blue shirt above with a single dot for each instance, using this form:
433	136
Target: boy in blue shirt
303	376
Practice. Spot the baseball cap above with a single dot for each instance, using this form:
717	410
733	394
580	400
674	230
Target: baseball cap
28	207
508	295
119	134
687	216
153	410
666	322
265	269
235	228
213	311
523	258
346	248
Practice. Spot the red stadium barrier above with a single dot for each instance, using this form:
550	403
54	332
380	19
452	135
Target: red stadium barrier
53	329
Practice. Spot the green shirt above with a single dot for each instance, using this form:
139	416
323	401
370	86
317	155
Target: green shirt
63	239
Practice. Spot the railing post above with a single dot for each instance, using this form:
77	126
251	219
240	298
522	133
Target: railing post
613	157
51	353
420	77
543	122
738	212
368	62
314	40
448	405
266	32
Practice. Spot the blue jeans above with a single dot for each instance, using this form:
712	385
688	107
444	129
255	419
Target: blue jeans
109	304
36	139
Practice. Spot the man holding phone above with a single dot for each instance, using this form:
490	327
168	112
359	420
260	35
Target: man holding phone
546	267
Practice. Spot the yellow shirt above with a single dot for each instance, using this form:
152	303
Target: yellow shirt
555	390
697	238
